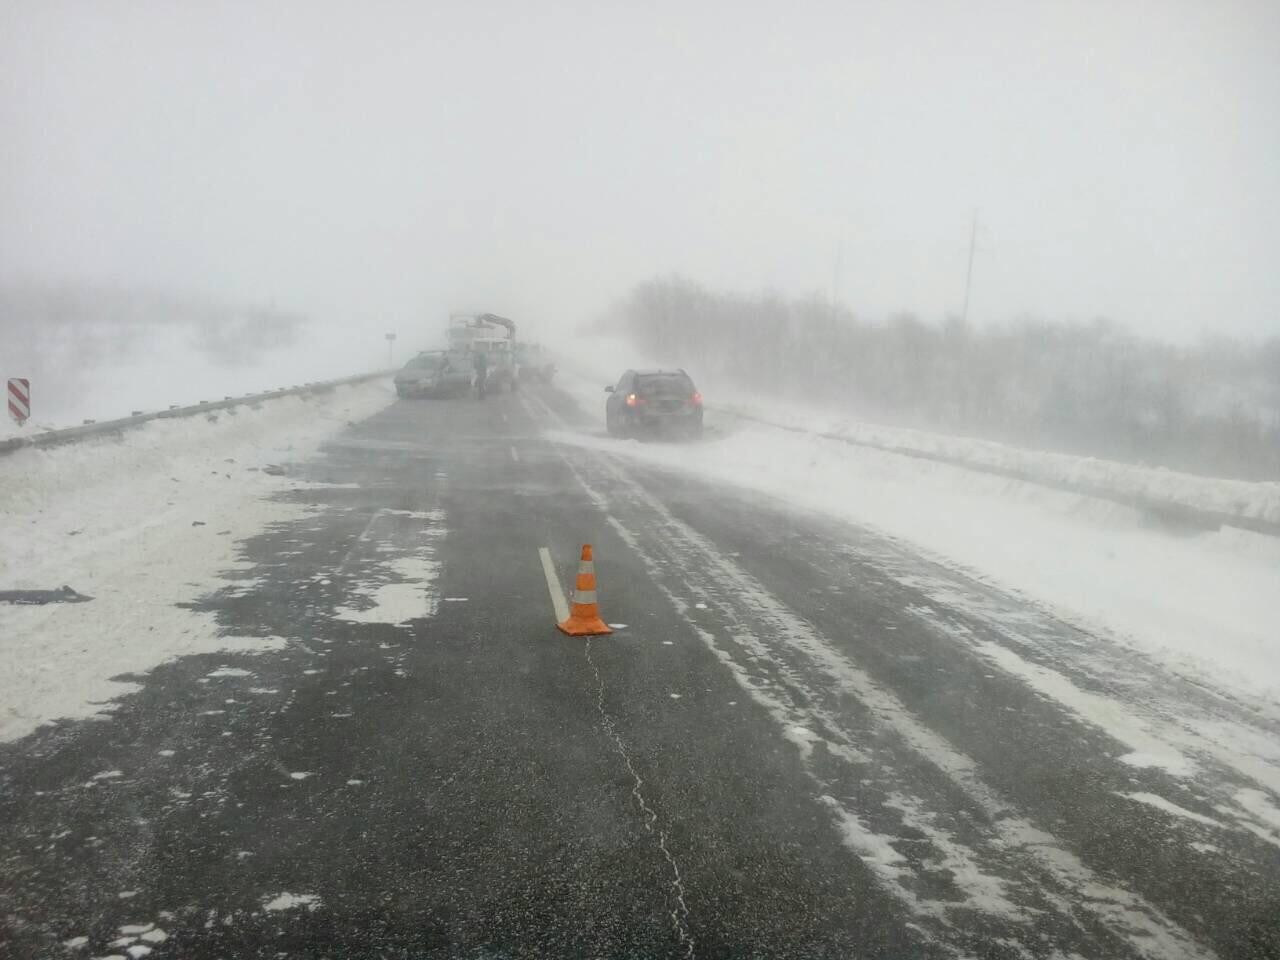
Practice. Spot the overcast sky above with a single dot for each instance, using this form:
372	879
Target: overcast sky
386	162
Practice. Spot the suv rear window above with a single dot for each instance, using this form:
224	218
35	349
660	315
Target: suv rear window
665	383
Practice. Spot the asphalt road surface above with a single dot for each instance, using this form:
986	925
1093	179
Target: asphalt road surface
803	740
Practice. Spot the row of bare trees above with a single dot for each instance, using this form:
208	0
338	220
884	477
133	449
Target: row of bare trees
1087	388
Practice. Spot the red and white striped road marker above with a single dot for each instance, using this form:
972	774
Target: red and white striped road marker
19	399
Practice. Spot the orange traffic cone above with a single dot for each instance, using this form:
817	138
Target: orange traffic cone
584	616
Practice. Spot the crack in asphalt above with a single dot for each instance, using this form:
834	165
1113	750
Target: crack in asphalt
680	913
1122	912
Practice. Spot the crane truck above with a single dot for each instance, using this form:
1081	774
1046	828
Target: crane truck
491	335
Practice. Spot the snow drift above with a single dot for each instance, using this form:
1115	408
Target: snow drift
141	522
1205	602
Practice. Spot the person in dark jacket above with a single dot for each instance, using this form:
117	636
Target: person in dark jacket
481	361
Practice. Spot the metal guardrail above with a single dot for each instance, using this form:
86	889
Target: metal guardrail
50	438
1165	510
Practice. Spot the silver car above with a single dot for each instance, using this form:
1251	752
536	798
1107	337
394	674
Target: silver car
434	373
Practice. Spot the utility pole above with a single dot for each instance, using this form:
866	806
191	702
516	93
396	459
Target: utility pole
835	277
968	280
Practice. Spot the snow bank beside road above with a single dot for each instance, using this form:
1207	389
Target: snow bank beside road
1207	604
140	523
1231	498
590	363
164	367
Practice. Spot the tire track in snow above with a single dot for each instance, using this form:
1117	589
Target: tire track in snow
1084	900
1215	756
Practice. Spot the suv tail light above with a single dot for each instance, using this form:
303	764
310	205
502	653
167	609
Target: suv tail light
696	398
632	400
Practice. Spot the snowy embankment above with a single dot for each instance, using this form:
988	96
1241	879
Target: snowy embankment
141	523
1206	603
160	367
1206	501
1248	504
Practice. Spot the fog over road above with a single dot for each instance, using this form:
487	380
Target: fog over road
803	739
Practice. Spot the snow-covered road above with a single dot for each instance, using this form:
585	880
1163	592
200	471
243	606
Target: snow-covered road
1205	603
809	735
137	521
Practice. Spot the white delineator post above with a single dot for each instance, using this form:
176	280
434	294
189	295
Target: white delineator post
19	399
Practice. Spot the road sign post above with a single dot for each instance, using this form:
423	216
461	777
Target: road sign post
391	346
19	399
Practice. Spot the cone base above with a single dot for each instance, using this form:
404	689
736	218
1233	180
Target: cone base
584	627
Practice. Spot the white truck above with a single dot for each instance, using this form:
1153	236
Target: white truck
492	335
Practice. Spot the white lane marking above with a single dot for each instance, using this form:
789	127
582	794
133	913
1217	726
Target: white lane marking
553	586
1125	913
364	535
514	455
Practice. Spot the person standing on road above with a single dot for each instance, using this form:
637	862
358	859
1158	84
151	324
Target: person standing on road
481	361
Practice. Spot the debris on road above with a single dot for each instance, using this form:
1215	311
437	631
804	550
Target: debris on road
64	595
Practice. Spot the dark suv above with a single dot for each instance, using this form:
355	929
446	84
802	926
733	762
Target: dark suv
654	401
